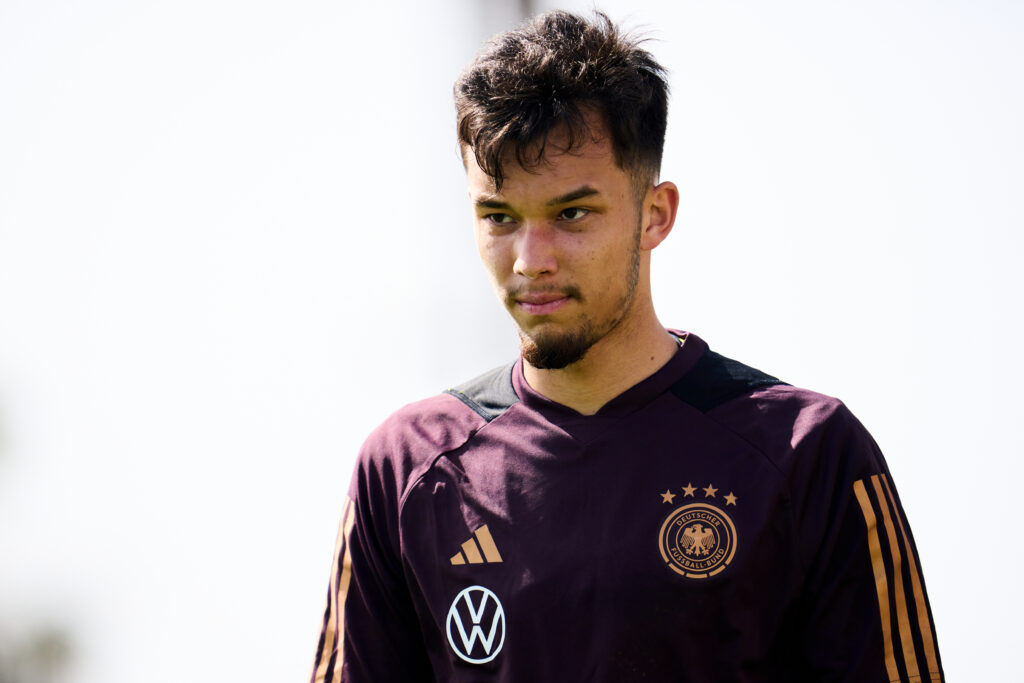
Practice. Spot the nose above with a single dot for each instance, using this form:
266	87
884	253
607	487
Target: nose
535	251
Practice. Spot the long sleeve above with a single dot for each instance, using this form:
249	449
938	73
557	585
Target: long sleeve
370	631
865	609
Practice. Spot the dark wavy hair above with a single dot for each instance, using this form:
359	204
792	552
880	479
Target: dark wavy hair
549	72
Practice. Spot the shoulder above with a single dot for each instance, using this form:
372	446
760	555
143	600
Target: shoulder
403	447
821	451
737	394
785	423
489	394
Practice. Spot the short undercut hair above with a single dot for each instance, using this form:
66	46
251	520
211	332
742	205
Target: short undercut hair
548	73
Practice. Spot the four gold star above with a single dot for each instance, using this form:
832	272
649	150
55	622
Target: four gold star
688	492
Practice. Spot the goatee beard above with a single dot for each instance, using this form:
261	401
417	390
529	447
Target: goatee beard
558	352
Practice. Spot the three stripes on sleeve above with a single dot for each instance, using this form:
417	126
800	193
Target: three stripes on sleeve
902	605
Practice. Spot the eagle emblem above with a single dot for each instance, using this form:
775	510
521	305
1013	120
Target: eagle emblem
697	540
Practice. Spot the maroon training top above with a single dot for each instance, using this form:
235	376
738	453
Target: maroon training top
709	524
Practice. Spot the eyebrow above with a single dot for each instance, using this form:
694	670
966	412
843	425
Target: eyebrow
578	193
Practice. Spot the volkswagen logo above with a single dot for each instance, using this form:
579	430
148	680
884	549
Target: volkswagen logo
476	625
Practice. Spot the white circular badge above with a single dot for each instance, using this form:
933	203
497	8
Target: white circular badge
476	625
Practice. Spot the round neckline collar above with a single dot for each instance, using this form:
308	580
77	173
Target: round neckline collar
691	349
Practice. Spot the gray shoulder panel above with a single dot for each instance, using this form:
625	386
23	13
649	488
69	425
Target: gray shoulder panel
715	379
490	394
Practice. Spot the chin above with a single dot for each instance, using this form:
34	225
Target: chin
554	352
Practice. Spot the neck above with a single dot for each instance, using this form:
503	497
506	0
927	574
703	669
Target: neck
627	355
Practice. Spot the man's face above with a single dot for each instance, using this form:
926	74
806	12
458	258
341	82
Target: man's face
561	243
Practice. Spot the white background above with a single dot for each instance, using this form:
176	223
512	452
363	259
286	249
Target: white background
234	237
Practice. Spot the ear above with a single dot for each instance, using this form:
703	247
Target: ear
659	214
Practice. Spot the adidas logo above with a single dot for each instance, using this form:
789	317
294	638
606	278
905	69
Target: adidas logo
471	551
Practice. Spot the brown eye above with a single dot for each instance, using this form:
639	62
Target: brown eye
573	214
498	218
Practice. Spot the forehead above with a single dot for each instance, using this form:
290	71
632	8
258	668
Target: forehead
589	161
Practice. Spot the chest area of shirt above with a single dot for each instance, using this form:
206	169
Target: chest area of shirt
690	513
635	539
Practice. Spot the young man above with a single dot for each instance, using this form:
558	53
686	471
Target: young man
621	503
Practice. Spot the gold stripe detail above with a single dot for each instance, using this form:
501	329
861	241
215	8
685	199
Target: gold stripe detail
483	534
881	586
923	622
472	552
332	605
346	577
458	559
902	618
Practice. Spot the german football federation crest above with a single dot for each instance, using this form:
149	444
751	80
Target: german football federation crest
697	540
